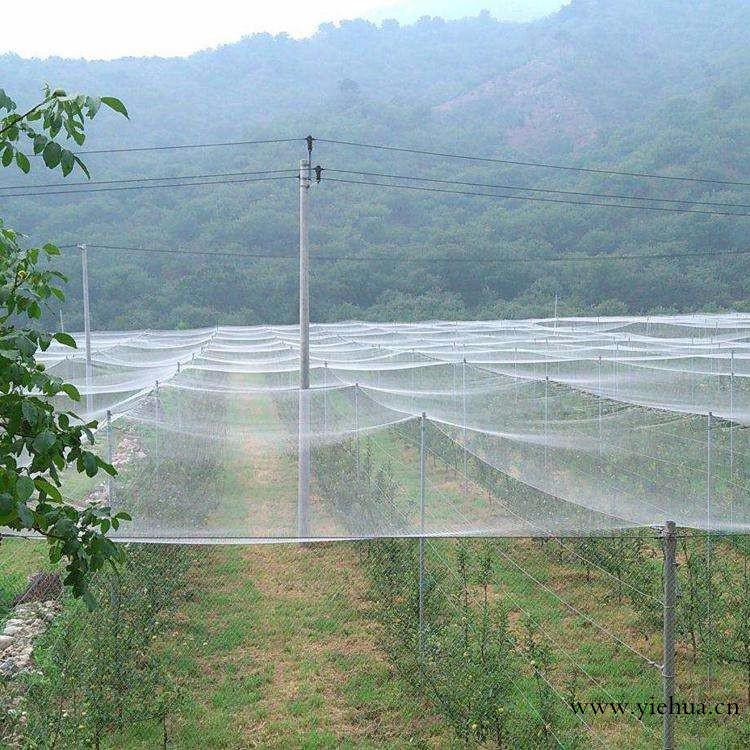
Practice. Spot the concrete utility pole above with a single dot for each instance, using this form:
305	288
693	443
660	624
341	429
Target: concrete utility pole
668	666
87	324
303	492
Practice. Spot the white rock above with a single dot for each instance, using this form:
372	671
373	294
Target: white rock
5	641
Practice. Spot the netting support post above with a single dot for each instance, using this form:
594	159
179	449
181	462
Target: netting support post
731	415
668	665
709	522
157	417
109	455
546	417
422	425
325	398
62	324
356	428
303	489
463	409
86	322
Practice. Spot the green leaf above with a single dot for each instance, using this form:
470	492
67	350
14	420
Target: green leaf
65	338
40	141
83	167
48	488
90	464
115	104
71	392
44	441
67	162
24	488
25	515
30	412
23	162
7	504
51	154
7	155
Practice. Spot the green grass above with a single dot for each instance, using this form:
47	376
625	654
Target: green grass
276	648
19	558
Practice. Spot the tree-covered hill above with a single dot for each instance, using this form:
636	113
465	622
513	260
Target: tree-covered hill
628	85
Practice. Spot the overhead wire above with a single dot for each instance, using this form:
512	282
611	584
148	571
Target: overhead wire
534	198
622	196
417	259
149	187
126	180
511	162
181	146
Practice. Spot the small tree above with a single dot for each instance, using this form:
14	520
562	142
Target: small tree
37	441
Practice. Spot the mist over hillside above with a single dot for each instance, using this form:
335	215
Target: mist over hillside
627	85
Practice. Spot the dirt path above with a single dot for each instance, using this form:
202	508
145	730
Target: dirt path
280	648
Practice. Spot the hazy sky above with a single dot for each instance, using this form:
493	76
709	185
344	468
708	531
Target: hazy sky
107	29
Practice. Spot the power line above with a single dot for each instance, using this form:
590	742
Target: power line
149	187
425	259
188	145
538	189
544	165
120	181
537	199
169	179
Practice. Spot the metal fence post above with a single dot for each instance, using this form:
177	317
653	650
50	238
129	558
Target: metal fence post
325	398
109	456
709	521
356	427
668	666
87	326
731	414
463	409
157	416
421	528
546	417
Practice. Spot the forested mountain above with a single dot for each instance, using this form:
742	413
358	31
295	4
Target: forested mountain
627	85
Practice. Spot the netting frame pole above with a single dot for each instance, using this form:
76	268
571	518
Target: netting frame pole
731	416
356	428
303	487
709	521
463	409
157	416
546	417
109	456
599	401
422	426
325	398
668	670
86	321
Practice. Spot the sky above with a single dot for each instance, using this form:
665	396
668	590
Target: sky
104	29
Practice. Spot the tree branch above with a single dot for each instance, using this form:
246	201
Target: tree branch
24	116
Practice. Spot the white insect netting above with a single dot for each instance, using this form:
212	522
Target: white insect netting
531	428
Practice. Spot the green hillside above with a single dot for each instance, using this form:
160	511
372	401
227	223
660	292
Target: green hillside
629	85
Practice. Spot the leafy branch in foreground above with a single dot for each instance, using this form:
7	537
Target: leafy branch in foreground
41	125
37	441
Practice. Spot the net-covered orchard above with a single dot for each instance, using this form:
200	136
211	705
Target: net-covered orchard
484	538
